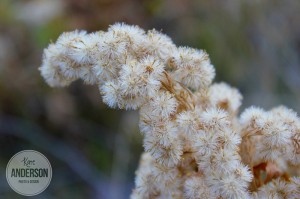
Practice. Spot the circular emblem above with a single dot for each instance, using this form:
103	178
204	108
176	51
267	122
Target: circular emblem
28	173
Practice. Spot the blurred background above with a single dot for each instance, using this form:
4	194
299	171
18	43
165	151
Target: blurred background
94	151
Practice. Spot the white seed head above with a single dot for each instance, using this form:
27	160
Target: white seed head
195	145
193	68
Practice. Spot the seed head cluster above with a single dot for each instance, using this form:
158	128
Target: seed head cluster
196	145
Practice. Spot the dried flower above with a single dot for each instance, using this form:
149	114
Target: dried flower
195	145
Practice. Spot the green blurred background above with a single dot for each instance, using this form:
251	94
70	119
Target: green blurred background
94	151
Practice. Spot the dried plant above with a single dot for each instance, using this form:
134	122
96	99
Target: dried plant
195	144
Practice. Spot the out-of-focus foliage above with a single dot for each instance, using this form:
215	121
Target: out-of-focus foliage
254	45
